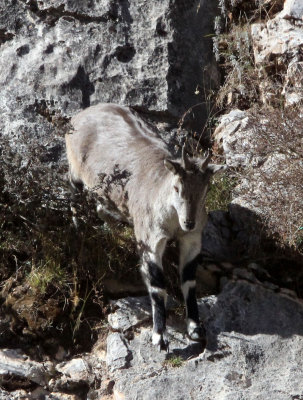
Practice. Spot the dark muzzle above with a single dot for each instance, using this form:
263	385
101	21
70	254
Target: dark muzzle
189	225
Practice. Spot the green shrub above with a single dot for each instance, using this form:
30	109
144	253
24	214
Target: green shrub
220	192
174	361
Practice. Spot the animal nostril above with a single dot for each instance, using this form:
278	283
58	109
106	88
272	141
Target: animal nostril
189	224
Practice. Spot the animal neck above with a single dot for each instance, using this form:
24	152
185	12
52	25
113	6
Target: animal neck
162	201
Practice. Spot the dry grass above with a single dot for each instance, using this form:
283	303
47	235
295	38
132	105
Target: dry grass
275	187
243	84
233	51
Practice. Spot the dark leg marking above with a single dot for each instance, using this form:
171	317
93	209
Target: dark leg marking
155	281
192	307
159	313
76	185
195	330
156	276
159	319
189	270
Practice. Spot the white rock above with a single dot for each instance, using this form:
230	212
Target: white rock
118	395
293	86
234	138
292	9
61	396
130	312
76	369
277	37
15	395
15	363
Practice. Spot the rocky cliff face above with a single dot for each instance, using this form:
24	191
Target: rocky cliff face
60	56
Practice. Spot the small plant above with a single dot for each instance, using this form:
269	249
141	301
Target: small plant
220	192
43	275
174	361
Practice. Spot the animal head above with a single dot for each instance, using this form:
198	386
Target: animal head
189	185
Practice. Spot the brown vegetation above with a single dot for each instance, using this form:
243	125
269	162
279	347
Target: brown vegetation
276	185
44	260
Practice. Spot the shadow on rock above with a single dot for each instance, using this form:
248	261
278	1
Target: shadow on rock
191	351
240	237
239	234
242	310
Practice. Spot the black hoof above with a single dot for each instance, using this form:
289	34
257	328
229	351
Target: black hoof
164	345
160	340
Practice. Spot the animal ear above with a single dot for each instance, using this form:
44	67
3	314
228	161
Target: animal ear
205	161
214	168
172	166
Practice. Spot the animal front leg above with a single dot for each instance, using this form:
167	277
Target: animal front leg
190	246
152	272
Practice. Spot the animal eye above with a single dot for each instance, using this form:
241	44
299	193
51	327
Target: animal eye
176	189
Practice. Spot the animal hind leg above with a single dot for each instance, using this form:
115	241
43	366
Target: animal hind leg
76	188
190	247
109	213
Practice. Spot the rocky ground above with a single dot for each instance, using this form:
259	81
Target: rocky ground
253	351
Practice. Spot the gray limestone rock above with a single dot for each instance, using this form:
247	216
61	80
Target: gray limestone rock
59	56
118	354
234	138
243	138
217	237
293	9
129	312
278	37
13	395
276	45
293	84
62	396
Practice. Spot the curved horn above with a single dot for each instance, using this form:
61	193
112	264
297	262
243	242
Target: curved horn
206	160
185	161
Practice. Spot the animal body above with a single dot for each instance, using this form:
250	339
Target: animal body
115	154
